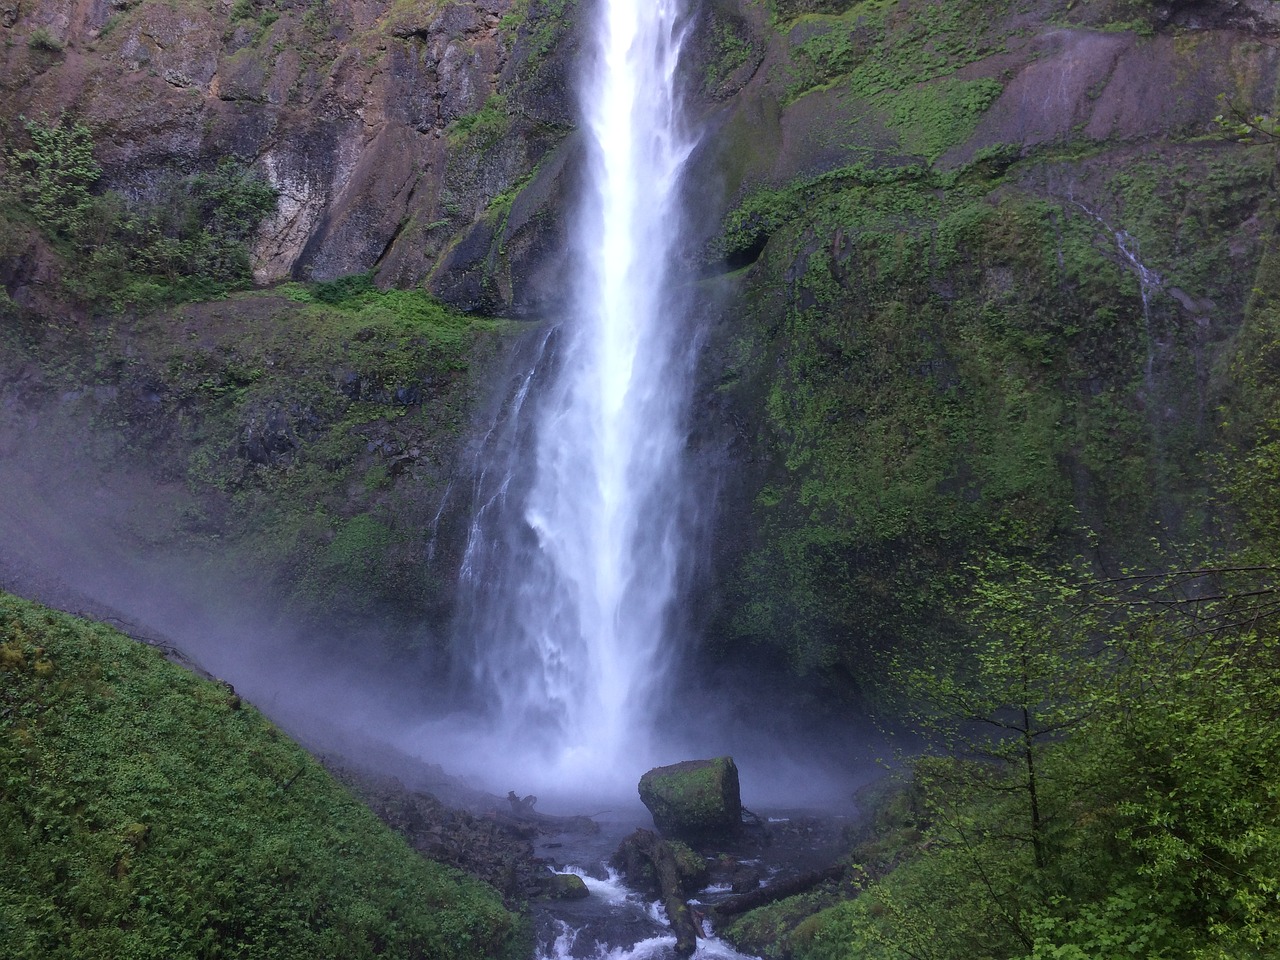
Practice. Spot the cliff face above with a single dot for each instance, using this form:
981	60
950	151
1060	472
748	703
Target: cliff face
988	267
380	123
975	277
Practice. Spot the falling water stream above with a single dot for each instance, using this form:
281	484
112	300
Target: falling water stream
579	534
580	527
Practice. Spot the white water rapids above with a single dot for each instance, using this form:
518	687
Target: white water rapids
579	538
645	920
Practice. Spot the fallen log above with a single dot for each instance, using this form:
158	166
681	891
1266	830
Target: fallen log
778	891
522	812
667	873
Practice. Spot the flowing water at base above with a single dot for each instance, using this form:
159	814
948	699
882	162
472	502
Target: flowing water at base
611	914
616	923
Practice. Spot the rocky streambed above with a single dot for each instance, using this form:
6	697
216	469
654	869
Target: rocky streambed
585	875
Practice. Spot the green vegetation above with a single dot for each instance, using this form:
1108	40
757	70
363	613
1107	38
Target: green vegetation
311	430
483	128
1105	782
879	44
547	21
42	41
145	813
187	237
730	47
55	175
944	367
301	405
901	58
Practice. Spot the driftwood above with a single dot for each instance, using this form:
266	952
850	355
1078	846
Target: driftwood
522	812
778	891
658	852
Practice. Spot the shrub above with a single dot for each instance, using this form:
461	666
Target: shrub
41	40
56	173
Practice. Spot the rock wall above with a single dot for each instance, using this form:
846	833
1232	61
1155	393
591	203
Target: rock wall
976	278
388	127
971	275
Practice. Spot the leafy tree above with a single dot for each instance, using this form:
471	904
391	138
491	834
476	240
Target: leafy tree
1013	691
1108	787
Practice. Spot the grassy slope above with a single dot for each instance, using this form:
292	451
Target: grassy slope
147	813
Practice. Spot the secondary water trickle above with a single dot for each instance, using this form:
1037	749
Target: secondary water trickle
580	529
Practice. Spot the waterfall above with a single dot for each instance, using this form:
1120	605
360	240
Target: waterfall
579	536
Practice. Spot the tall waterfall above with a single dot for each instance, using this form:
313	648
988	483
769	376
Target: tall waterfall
579	536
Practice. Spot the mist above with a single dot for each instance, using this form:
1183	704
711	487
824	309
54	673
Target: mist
100	539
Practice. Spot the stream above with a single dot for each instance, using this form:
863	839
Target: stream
616	923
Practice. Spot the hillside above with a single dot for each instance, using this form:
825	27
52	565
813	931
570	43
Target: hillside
148	813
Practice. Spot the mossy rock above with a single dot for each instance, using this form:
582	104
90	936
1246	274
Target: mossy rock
692	867
565	886
695	800
633	859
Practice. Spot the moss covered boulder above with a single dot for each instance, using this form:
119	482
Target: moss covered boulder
694	800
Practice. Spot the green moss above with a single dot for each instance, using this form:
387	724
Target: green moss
483	128
538	26
730	48
786	928
881	45
312	436
944	365
692	799
146	813
934	117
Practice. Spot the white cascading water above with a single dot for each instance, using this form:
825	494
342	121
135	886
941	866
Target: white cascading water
578	539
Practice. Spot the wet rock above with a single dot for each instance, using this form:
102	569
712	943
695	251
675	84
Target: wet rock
695	800
744	879
633	859
268	437
655	864
565	886
349	384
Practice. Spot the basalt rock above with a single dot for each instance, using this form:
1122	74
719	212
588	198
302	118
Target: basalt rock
565	886
660	869
696	800
360	114
634	860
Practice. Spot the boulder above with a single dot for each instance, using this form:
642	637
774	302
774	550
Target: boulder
565	886
695	800
655	866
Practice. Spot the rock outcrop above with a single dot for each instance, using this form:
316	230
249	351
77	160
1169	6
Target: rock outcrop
968	275
389	129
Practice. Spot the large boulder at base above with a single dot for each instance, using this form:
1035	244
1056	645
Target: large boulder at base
694	800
